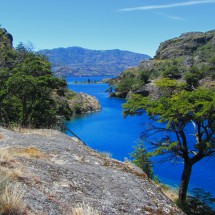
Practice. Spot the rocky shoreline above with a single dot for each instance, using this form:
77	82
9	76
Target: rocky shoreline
85	103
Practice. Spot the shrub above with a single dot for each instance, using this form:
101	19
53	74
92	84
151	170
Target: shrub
142	159
198	204
11	202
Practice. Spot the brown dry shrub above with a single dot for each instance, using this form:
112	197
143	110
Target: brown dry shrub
11	202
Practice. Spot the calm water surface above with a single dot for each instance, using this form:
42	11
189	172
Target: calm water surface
108	131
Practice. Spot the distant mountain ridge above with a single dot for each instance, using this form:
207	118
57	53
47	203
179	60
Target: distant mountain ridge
79	61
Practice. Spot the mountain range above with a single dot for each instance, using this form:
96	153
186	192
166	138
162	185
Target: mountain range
77	61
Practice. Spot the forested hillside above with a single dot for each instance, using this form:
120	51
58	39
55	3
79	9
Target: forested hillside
76	61
188	59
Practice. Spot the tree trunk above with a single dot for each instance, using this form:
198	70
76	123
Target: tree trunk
185	180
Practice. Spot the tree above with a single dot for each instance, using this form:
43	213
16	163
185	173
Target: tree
193	77
29	93
172	72
142	159
124	86
182	112
199	203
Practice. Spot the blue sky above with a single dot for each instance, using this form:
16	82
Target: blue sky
134	25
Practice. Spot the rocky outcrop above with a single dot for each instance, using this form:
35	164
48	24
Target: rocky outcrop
58	173
185	45
6	37
194	48
77	103
84	103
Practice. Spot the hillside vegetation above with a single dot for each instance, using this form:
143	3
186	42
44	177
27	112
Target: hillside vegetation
188	59
78	61
176	90
30	95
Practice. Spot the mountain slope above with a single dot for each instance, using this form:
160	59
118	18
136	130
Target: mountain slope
196	44
78	61
189	57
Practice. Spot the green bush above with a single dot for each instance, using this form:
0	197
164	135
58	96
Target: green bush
198	204
142	159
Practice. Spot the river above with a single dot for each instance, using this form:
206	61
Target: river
108	131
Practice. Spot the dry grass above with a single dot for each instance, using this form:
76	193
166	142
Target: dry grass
171	194
42	132
10	197
106	154
29	152
5	154
9	167
83	209
17	173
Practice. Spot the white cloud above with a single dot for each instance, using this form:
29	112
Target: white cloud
182	4
170	16
175	17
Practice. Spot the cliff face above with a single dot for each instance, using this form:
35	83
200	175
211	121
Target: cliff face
57	173
188	44
190	49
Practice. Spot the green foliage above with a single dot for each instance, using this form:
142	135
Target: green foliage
130	81
7	54
142	159
193	77
135	105
26	92
143	76
176	113
182	107
198	204
171	71
168	87
125	85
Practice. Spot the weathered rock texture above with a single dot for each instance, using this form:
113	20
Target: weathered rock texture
64	172
84	103
188	44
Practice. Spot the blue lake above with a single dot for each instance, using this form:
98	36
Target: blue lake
108	131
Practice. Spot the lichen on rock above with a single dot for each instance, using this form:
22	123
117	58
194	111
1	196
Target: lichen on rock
71	173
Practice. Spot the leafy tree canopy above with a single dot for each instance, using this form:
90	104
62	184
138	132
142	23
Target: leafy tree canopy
193	111
27	92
